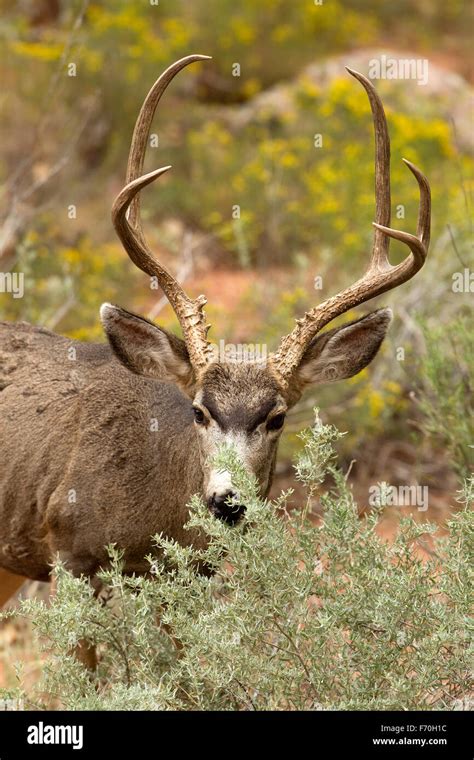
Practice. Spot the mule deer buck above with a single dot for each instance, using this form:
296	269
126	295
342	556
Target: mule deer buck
81	464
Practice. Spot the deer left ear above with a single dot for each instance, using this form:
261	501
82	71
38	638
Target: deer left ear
343	351
146	349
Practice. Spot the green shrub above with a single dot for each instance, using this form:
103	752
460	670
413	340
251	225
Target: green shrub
446	396
299	614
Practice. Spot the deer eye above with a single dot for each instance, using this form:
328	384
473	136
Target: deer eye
276	422
198	415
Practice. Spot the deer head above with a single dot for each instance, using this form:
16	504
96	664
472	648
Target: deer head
243	404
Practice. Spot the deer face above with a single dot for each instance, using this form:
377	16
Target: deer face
237	405
241	405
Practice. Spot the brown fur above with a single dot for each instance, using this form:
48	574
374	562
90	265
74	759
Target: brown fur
9	585
99	446
84	426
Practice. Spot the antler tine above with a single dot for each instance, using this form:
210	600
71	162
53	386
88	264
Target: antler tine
142	129
381	245
423	227
127	222
380	275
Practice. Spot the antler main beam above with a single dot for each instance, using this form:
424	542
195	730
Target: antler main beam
380	276
127	222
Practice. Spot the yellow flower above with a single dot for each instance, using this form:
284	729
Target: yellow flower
38	50
376	404
213	219
309	88
282	33
71	255
238	183
243	31
251	87
179	33
289	160
392	386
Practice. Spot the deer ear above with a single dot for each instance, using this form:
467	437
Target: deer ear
146	349
343	351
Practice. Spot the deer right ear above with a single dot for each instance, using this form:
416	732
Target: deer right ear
146	349
343	351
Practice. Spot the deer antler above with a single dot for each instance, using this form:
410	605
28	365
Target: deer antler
128	226
380	275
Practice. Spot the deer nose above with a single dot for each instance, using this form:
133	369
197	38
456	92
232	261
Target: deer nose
224	507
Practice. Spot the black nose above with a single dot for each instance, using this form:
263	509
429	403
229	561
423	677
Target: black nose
224	508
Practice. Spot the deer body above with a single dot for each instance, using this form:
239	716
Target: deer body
87	465
106	444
